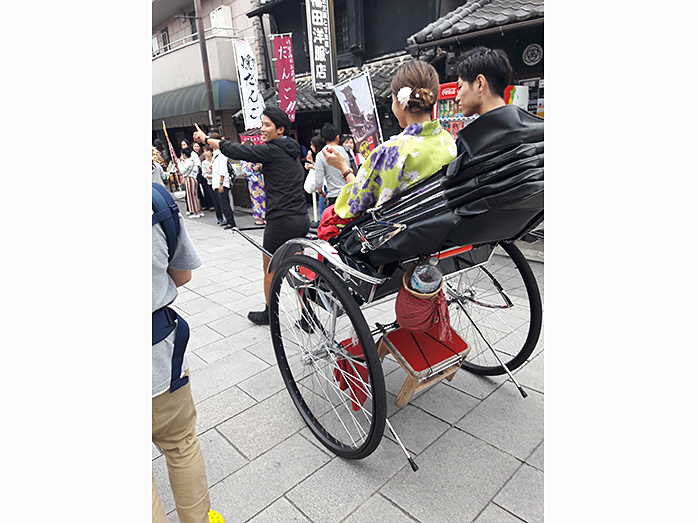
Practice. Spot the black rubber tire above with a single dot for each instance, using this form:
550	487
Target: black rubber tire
513	331
305	350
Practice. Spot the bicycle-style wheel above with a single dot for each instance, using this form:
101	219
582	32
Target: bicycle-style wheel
496	305
327	357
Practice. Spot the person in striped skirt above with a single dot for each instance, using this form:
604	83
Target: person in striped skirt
189	170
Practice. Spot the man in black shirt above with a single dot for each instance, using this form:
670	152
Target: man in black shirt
286	211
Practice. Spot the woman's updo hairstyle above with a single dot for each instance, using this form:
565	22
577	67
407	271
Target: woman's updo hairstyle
423	81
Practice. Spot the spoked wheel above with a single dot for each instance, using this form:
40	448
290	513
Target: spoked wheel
327	357
496	305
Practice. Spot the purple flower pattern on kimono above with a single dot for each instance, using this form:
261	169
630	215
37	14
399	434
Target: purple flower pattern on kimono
411	156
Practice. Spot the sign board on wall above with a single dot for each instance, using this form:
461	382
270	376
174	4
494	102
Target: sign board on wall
358	104
319	37
285	73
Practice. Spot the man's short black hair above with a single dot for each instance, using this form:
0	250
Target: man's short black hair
329	132
492	63
278	117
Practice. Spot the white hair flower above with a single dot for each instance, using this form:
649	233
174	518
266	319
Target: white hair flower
403	96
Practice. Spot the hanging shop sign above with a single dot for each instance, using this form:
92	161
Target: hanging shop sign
319	36
285	73
248	82
358	104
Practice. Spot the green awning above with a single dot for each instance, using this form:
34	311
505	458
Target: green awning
189	100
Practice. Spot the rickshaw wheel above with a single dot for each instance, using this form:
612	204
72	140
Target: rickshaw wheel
498	302
336	384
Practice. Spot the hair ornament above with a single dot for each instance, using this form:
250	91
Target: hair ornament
403	96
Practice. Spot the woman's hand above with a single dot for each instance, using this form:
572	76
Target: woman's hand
335	158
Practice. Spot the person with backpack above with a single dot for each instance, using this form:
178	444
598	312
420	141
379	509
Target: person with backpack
327	175
173	413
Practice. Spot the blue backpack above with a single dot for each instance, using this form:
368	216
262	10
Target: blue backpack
164	320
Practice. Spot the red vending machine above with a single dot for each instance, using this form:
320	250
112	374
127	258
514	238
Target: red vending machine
447	111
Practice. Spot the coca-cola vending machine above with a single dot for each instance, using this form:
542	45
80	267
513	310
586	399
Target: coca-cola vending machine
447	112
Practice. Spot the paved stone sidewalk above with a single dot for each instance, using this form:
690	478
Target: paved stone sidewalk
478	444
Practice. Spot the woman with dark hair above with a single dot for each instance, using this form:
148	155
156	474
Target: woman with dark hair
417	153
348	141
188	170
159	155
203	189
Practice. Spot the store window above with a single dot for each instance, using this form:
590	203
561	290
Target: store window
341	24
194	25
164	33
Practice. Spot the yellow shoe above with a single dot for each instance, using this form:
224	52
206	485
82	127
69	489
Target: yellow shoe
214	517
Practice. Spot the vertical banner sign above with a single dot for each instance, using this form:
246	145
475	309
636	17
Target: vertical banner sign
285	73
318	32
247	79
356	99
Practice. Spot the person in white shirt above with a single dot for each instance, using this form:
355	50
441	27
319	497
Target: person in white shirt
221	185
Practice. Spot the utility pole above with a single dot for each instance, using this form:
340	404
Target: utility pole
206	71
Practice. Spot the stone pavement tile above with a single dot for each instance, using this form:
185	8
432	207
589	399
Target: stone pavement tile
194	361
185	295
495	514
211	313
336	490
220	458
477	386
225	297
198	283
215	287
532	374
201	336
255	302
444	402
221	407
281	511
508	421
223	374
377	508
457	477
263	426
264	385
208	271
537	458
219	349
416	428
263	349
523	495
249	288
164	491
264	480
230	324
195	306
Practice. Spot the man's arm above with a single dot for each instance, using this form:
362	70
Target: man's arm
236	151
320	167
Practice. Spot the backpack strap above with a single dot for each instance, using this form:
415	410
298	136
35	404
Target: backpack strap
165	212
164	321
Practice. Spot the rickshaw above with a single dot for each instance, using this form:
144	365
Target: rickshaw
468	215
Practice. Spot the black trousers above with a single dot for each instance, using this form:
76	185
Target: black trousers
224	202
204	192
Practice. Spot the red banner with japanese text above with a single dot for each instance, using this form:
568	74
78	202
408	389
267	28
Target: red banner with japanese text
254	138
285	73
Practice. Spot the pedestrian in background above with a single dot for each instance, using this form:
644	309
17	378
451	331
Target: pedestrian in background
189	171
204	192
255	183
326	175
348	142
221	185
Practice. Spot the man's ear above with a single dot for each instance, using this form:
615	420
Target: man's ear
481	84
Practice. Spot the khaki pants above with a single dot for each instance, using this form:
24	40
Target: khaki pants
174	432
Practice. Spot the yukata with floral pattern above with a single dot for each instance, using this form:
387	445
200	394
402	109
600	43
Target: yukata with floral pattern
417	153
255	183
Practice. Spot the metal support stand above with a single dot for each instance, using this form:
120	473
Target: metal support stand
411	461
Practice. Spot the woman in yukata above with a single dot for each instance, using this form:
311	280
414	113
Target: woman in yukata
417	153
255	182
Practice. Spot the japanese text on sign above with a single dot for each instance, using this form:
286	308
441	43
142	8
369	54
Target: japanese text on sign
320	45
285	74
247	76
